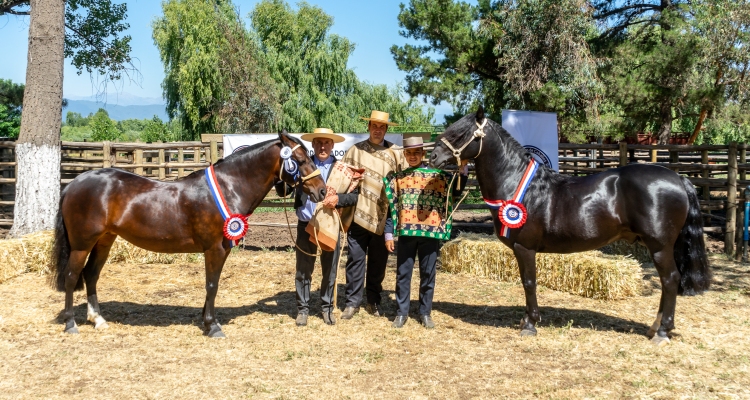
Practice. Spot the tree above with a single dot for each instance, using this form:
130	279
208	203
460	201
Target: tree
38	145
102	127
11	101
93	36
155	131
215	78
309	66
94	44
530	54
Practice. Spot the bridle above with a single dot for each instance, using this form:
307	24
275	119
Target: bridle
478	133
293	169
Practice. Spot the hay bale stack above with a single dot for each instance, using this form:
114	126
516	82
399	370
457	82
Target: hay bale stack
588	274
634	250
32	253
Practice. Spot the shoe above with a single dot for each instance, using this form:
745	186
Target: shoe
301	319
374	309
349	312
399	321
426	321
328	317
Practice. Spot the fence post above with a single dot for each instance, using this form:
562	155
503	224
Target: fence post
138	160
106	150
706	189
739	230
653	154
731	199
214	152
162	168
180	160
623	154
743	160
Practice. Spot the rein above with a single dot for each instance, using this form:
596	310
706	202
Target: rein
478	133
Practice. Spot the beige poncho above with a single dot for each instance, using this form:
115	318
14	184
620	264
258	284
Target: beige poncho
372	204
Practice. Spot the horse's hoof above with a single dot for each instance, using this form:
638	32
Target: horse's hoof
101	325
216	333
651	333
660	341
72	331
528	332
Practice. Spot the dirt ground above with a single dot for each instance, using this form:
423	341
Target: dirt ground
154	346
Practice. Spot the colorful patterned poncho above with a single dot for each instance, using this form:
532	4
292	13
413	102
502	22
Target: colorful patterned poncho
417	198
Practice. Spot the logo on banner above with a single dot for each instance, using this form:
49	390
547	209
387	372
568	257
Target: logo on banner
539	155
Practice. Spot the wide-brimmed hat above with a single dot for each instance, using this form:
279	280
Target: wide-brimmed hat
379	116
415	142
323	133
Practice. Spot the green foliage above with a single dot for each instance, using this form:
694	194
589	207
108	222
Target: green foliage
11	101
215	80
93	36
75	119
10	122
155	131
309	66
103	128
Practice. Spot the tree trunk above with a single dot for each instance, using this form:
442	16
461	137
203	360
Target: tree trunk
665	117
38	145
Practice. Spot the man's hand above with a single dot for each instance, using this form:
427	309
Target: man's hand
389	245
331	201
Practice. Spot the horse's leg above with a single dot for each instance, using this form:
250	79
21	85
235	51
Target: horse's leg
215	258
75	265
527	267
91	271
670	278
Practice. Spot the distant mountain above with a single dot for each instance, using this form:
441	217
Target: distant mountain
119	99
116	112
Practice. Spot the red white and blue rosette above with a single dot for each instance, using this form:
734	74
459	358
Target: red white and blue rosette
512	214
235	227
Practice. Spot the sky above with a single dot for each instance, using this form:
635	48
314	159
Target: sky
372	26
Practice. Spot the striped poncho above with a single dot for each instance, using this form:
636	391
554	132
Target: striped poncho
418	203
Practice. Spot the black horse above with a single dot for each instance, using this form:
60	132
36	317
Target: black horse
565	214
167	217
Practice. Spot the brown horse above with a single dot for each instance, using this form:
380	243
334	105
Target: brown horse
166	217
566	214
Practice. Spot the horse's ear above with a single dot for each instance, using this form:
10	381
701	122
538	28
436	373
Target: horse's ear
480	114
282	137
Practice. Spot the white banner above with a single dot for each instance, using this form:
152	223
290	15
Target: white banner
537	132
234	142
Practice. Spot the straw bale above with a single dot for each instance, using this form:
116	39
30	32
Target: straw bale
634	250
32	253
588	274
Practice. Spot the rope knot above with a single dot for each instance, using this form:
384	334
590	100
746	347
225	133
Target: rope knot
479	133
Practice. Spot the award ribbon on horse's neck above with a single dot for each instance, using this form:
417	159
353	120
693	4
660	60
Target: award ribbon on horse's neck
512	213
235	225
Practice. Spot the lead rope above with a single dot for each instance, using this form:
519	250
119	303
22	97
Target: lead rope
478	133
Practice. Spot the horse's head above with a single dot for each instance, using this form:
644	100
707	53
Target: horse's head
460	141
298	169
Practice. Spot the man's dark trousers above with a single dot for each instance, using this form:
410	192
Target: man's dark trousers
427	250
305	266
364	244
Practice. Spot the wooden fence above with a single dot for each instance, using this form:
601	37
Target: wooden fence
719	171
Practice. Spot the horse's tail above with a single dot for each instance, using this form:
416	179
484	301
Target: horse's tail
61	252
690	248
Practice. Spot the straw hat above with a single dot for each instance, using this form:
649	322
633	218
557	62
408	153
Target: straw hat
379	116
415	142
323	133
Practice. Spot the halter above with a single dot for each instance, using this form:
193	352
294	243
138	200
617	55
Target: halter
295	172
479	133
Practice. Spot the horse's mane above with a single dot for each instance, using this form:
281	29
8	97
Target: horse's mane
249	151
510	157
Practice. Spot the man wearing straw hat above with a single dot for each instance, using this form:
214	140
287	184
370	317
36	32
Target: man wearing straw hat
322	142
365	265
